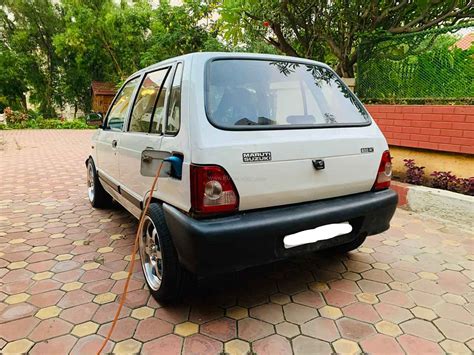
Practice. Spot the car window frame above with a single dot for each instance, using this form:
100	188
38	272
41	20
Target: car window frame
275	127
132	98
175	68
143	76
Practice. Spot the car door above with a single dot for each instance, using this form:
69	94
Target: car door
144	131
109	137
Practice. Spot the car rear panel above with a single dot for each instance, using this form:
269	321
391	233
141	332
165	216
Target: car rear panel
351	158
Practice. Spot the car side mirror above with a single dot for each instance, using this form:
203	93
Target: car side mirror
94	119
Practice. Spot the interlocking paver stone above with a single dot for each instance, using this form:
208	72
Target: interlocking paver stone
50	328
48	312
18	347
362	311
152	328
18	298
17	329
201	344
423	313
236	347
58	255
415	345
422	329
454	312
271	313
321	328
453	347
124	329
60	345
237	312
330	312
252	329
303	345
344	346
129	346
454	330
84	329
167	345
222	329
299	314
143	312
381	344
272	345
388	328
71	286
288	330
187	328
354	329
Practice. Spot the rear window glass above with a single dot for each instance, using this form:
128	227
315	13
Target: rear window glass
252	94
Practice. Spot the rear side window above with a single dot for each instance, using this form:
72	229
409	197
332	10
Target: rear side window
248	94
174	105
145	101
159	113
119	108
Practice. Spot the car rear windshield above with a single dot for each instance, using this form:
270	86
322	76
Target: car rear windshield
264	94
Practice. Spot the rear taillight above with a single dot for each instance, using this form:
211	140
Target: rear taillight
212	190
384	174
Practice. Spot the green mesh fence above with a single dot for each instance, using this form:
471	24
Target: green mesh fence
430	66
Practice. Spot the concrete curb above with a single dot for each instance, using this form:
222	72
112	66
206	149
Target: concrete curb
441	204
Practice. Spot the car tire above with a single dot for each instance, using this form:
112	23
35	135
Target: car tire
98	197
166	279
345	248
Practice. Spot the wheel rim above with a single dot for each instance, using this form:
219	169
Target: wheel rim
90	182
150	254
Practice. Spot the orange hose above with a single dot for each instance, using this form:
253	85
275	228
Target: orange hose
132	261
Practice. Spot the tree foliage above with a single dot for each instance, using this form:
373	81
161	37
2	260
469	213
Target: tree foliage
28	28
330	30
53	50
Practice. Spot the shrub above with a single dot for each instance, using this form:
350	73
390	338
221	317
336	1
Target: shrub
15	116
442	179
414	174
465	186
447	181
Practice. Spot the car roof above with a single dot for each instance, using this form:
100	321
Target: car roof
213	55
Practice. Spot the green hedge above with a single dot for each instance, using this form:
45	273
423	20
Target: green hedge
50	123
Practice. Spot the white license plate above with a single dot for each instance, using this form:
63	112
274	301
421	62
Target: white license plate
325	232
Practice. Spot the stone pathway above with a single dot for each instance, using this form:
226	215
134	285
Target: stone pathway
63	265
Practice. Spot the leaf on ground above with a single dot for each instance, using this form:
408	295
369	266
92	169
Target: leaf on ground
99	259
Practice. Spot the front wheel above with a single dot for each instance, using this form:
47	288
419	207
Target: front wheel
98	197
164	275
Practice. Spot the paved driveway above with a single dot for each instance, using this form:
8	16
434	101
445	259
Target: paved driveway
62	269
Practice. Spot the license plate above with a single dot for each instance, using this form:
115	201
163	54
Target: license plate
308	236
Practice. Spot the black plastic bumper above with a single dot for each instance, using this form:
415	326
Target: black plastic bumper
232	243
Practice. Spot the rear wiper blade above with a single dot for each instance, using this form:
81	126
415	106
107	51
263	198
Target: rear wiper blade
265	121
245	122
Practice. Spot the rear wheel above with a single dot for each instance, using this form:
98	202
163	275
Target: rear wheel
345	248
98	197
164	275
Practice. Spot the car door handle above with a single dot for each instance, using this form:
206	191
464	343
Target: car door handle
114	143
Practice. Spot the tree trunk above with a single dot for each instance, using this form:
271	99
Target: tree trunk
346	68
24	105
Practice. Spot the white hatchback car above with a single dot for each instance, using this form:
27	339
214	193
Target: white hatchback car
266	157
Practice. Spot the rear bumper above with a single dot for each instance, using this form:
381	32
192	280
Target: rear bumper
247	239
